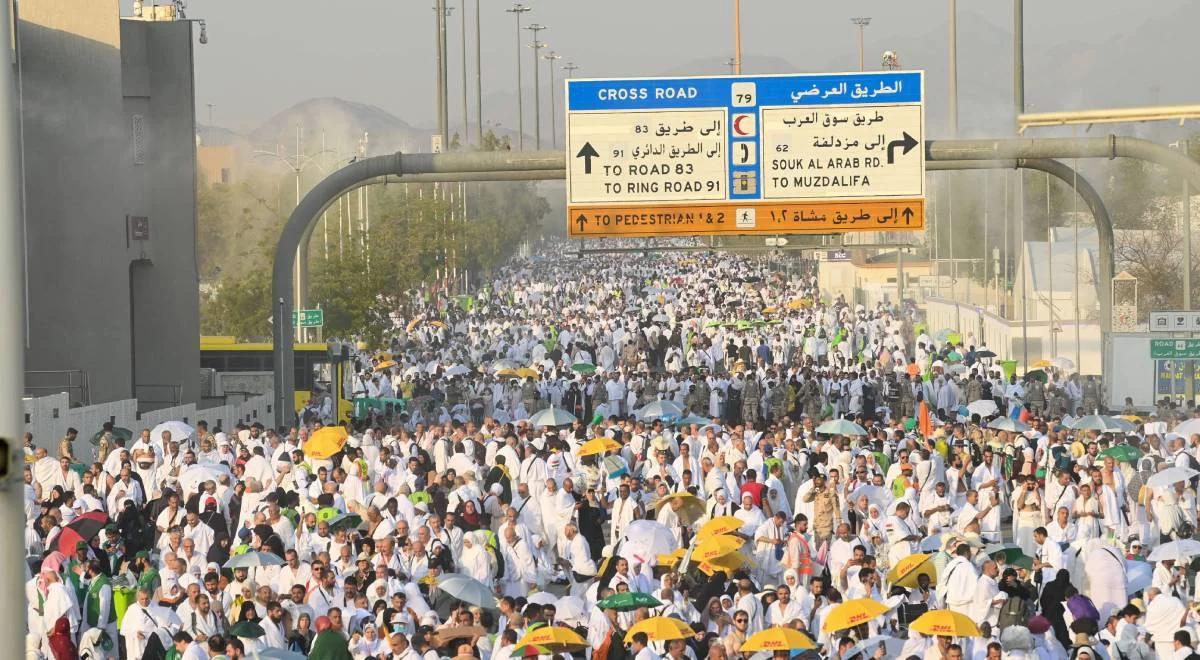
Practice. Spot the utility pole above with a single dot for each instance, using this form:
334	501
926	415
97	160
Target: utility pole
1019	60
570	67
440	12
517	10
737	37
462	15
478	81
210	113
537	97
550	57
732	64
862	22
12	364
953	68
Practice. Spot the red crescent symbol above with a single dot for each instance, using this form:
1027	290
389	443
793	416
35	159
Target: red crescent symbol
737	125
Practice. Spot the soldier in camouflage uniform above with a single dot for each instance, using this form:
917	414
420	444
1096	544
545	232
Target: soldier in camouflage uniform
1035	396
779	397
750	400
697	399
1091	395
813	400
907	399
529	396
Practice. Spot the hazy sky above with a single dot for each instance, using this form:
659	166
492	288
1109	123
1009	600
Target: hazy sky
265	55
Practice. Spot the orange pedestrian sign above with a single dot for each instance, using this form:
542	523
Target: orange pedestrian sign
825	153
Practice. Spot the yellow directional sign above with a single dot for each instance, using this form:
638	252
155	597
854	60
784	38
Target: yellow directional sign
760	218
824	153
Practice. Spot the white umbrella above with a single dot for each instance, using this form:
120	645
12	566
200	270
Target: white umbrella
656	409
254	558
867	647
875	494
660	318
1008	424
1066	364
1170	476
646	540
983	407
1138	575
1181	549
195	475
841	427
412	371
570	609
504	363
180	432
468	590
458	370
1186	429
544	598
552	417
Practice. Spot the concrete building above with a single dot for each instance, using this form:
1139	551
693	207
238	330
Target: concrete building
109	172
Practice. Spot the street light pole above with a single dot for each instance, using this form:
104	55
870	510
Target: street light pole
478	81
517	10
953	68
1019	60
440	11
537	97
862	22
466	136
737	37
553	122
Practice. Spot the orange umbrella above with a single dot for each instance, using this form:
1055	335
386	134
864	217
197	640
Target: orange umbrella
718	526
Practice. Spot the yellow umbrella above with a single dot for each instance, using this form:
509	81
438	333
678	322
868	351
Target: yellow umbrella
555	639
852	613
689	509
325	442
507	372
718	526
412	324
770	310
526	372
728	563
797	303
386	364
945	623
717	546
905	572
778	639
660	629
1042	364
598	446
672	558
437	324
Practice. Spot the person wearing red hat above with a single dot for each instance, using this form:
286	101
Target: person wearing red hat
329	643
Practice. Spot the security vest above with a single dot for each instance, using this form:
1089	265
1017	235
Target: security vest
92	603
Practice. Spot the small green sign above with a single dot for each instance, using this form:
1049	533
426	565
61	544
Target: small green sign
1175	349
308	318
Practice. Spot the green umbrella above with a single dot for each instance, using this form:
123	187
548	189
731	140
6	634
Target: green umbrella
1123	453
713	324
1024	562
584	368
420	496
247	629
1037	374
118	432
628	601
345	521
327	513
1010	551
954	356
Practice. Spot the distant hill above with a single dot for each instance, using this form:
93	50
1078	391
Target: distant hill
343	124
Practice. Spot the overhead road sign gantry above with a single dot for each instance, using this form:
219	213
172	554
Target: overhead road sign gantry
793	154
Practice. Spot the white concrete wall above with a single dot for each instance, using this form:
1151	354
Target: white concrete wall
1004	336
49	417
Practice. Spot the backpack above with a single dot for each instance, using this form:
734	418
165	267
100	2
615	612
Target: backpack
1014	612
1082	607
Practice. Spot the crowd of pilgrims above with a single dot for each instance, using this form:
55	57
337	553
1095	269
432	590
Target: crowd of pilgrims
572	432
